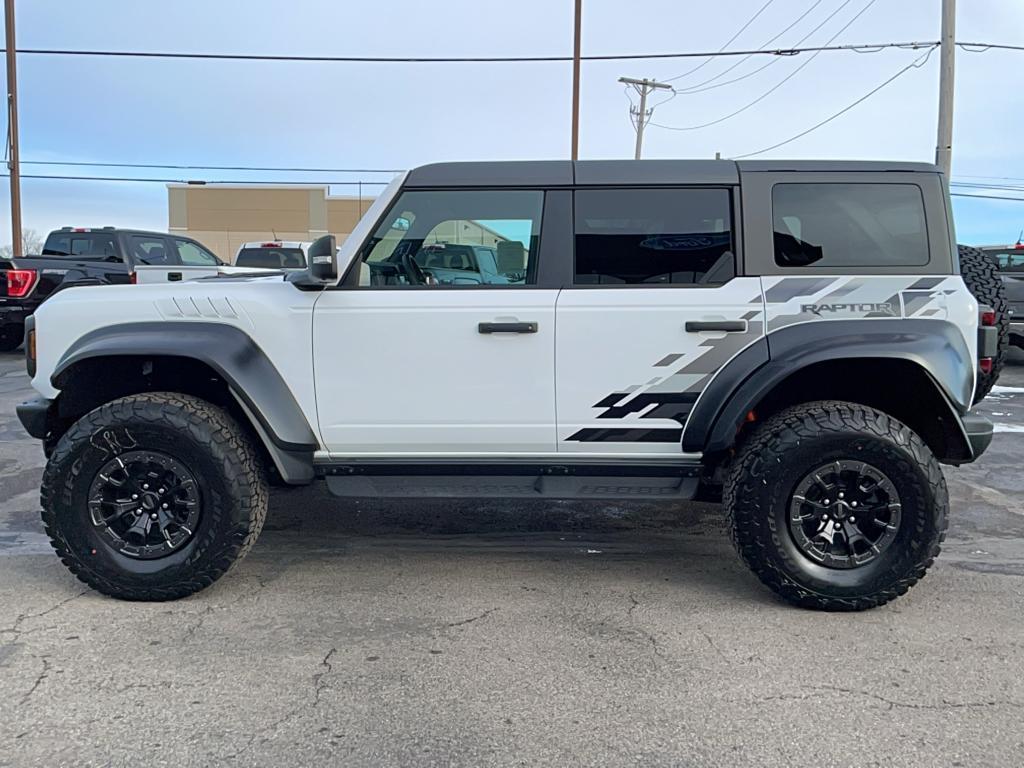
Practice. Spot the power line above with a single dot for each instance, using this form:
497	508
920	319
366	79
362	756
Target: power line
727	43
700	87
465	59
916	64
987	197
983	47
203	182
172	166
775	87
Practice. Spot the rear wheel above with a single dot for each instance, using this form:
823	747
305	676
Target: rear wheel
982	278
836	506
153	496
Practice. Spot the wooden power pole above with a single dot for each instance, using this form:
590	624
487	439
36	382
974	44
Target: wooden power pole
13	166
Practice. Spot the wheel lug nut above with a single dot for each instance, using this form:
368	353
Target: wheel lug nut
145	486
853	519
153	515
135	496
824	517
825	502
840	494
161	490
166	505
853	503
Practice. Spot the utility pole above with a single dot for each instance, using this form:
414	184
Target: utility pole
576	81
12	128
643	114
947	64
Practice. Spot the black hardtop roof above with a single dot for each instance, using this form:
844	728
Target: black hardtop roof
516	173
113	231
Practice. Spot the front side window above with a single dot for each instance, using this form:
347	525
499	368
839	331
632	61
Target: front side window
194	255
849	225
653	237
434	238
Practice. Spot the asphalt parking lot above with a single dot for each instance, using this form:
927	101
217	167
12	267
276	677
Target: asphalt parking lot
470	633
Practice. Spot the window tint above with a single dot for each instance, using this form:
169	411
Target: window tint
1009	259
194	255
431	239
81	245
272	258
150	250
849	225
653	236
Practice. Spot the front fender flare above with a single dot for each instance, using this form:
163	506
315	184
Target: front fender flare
231	352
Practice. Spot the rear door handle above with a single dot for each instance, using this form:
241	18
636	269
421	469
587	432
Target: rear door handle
507	327
729	326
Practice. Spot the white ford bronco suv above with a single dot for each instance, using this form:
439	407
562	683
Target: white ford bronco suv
796	335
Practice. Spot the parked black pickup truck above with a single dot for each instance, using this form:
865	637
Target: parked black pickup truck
95	256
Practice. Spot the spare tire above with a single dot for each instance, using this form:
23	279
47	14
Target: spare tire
981	275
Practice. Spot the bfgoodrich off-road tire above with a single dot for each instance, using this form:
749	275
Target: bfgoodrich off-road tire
981	276
215	484
797	452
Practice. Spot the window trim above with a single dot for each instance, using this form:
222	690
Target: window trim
350	279
862	265
759	252
736	237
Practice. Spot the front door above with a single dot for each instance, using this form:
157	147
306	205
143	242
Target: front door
430	355
655	311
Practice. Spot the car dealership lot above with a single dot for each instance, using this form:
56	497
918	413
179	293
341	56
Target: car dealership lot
473	633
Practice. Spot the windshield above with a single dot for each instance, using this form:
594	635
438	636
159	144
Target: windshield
272	258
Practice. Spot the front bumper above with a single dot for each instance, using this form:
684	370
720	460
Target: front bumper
34	416
978	430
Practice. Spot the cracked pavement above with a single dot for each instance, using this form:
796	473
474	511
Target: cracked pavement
454	632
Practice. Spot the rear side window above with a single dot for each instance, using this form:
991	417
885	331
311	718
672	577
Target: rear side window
849	225
653	237
81	245
151	251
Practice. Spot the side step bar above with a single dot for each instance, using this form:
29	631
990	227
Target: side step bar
598	481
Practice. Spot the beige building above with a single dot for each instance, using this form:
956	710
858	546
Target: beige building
224	216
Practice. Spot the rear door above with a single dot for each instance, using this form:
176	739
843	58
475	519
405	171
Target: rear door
655	310
83	254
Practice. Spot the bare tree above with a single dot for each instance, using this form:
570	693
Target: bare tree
31	242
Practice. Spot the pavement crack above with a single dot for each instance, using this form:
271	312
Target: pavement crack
711	642
890	704
15	628
43	674
319	685
200	618
470	620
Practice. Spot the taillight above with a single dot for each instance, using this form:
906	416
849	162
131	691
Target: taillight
133	277
988	317
30	351
20	282
985	365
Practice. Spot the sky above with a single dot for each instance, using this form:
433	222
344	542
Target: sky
394	116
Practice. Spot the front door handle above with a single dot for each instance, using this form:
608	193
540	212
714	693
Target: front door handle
729	326
174	277
507	327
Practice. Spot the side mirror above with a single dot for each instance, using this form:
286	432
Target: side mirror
323	259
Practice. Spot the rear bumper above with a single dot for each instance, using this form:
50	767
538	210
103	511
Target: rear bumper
978	430
13	315
34	416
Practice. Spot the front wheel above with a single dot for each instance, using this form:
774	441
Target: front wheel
153	496
836	506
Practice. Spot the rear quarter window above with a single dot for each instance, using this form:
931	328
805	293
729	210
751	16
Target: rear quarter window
849	225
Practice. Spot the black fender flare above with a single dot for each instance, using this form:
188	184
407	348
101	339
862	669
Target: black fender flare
937	346
236	357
